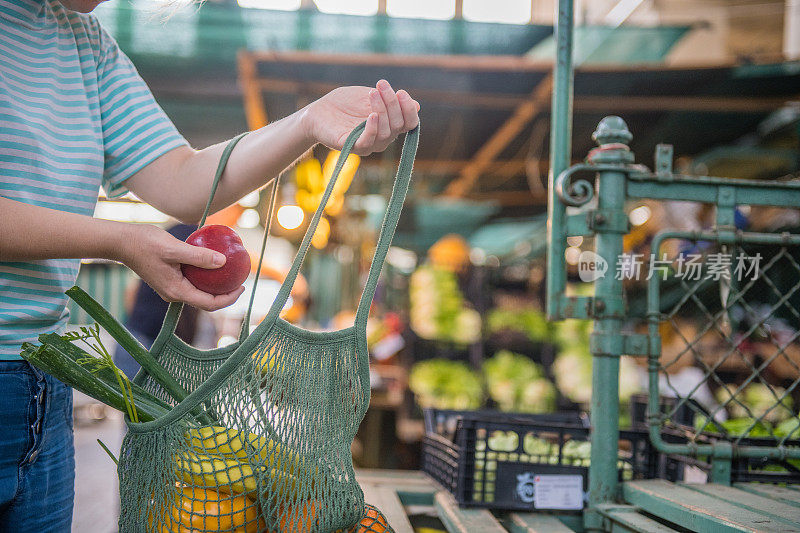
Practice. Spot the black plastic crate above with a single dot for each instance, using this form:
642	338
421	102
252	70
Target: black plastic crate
748	469
743	469
490	459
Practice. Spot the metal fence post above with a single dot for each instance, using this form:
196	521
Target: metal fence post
612	136
560	155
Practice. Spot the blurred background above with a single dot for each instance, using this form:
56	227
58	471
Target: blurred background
457	321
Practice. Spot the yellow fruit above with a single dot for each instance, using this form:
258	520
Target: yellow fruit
205	470
345	176
230	475
305	200
334	205
196	509
320	237
309	175
245	446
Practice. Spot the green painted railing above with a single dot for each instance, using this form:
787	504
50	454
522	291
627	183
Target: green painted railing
717	302
765	293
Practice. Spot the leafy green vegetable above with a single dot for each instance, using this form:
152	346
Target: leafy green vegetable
789	428
501	441
438	309
737	427
573	333
740	427
531	322
573	372
518	384
445	384
91	337
577	452
756	400
535	446
61	359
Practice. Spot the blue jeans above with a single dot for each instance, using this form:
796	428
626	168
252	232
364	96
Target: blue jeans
37	459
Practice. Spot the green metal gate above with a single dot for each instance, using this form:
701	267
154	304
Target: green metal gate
743	287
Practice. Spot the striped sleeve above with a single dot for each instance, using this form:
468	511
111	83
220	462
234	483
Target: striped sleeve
136	130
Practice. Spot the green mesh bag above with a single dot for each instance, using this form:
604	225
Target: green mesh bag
259	440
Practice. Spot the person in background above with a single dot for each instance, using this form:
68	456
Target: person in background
75	116
146	314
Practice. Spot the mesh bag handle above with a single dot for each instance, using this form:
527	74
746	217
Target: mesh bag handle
243	350
390	220
175	308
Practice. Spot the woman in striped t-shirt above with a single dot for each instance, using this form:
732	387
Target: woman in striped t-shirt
75	116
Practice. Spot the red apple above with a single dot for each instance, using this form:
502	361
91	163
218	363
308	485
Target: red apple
229	276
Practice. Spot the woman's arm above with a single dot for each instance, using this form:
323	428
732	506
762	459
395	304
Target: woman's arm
29	233
178	183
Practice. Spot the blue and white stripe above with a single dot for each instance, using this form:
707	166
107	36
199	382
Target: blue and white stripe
74	116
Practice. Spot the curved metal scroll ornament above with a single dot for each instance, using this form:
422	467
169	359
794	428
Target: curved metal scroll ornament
575	193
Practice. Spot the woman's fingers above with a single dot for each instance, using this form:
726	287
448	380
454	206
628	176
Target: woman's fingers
394	112
410	109
189	294
180	252
379	106
366	141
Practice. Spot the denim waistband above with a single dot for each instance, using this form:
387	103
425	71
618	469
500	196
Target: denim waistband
17	365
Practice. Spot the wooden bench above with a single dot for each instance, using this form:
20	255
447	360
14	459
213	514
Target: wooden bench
670	507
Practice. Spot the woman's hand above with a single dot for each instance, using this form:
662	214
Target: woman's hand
330	119
156	256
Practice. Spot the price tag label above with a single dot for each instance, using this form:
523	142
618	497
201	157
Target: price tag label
558	492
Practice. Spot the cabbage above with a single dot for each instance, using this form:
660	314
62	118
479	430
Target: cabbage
528	321
518	384
756	400
573	372
438	310
789	428
445	384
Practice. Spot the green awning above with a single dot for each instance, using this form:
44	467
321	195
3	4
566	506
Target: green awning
425	221
216	31
512	239
621	45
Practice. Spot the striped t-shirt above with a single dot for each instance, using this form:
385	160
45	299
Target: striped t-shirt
74	115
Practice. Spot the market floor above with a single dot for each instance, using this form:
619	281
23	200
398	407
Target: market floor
96	495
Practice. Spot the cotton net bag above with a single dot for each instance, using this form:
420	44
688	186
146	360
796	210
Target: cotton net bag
261	440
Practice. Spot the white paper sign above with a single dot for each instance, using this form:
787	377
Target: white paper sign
558	492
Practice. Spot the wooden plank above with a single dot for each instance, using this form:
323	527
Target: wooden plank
539	100
537	523
784	494
458	520
385	499
474	63
254	107
410	496
581	103
754	502
406	478
696	511
629	519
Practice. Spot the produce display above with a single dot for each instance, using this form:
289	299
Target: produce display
229	276
438	309
530	322
572	367
517	384
451	252
756	400
444	384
